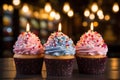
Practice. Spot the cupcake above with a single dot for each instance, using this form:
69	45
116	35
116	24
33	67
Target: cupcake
59	55
28	55
91	53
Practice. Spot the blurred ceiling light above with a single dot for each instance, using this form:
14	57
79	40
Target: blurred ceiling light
107	17
115	7
57	16
36	14
10	8
85	24
5	7
70	13
101	17
25	8
16	2
66	7
92	16
99	12
94	7
86	13
52	14
9	29
48	7
95	23
43	14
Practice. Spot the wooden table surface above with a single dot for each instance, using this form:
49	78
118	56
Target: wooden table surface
8	72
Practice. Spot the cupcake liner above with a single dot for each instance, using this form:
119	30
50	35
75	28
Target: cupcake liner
59	67
91	65
28	66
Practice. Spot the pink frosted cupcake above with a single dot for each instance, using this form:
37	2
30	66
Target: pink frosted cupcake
91	53
28	55
59	55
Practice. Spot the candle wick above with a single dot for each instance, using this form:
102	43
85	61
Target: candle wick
91	30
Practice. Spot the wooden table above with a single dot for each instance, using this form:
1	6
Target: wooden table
8	72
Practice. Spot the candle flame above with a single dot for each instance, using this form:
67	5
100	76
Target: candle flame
59	27
91	27
28	27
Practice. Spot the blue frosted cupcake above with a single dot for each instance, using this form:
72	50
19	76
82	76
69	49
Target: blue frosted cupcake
59	55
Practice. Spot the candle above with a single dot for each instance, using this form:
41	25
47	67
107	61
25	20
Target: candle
27	28
91	27
59	27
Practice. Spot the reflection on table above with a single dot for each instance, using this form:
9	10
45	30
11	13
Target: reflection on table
8	71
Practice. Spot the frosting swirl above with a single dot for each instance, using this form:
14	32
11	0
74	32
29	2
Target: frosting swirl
91	43
59	44
28	43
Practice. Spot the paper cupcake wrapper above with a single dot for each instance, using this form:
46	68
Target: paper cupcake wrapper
59	67
28	66
91	65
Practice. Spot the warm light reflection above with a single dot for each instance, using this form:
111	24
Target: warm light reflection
114	75
43	14
27	28
101	17
36	14
5	7
9	73
99	12
86	13
25	8
95	24
10	8
85	24
115	7
48	7
66	7
16	2
94	7
52	14
114	67
43	72
59	27
70	13
114	64
92	16
107	17
57	16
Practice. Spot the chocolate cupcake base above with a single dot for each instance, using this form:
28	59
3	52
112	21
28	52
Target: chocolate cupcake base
28	66
91	65
59	67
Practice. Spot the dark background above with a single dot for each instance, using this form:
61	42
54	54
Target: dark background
71	26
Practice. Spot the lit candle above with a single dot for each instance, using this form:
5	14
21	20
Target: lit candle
91	27
59	27
27	28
